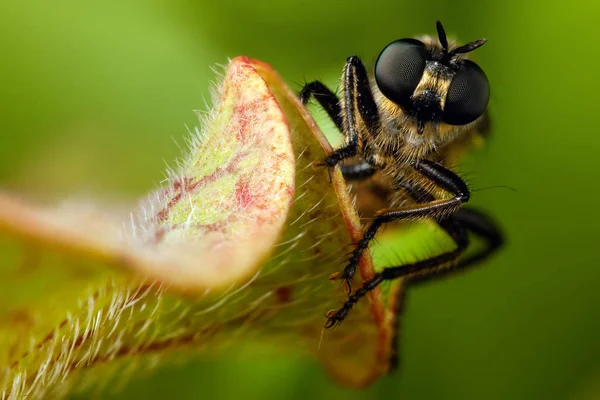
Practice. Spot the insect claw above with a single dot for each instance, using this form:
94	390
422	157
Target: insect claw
318	164
348	286
326	162
332	319
347	280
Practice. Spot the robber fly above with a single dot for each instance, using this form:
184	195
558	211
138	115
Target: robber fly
423	105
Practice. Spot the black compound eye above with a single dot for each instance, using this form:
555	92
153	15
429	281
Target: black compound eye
468	95
399	69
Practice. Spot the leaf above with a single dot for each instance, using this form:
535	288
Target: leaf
238	246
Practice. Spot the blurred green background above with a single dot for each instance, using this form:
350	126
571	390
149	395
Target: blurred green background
93	94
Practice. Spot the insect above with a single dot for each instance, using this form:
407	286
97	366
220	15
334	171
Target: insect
424	104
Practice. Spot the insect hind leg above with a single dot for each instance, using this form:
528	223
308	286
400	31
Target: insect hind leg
482	226
474	222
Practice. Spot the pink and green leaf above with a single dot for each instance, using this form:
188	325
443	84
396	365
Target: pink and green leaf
240	241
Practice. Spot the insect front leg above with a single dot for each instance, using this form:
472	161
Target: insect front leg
436	209
358	108
326	98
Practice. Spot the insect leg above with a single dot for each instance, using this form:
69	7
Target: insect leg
398	301
466	218
357	101
436	209
330	103
427	266
475	221
326	98
397	305
469	219
482	226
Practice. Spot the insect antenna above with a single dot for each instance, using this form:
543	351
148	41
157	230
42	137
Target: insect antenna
442	36
469	46
466	48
